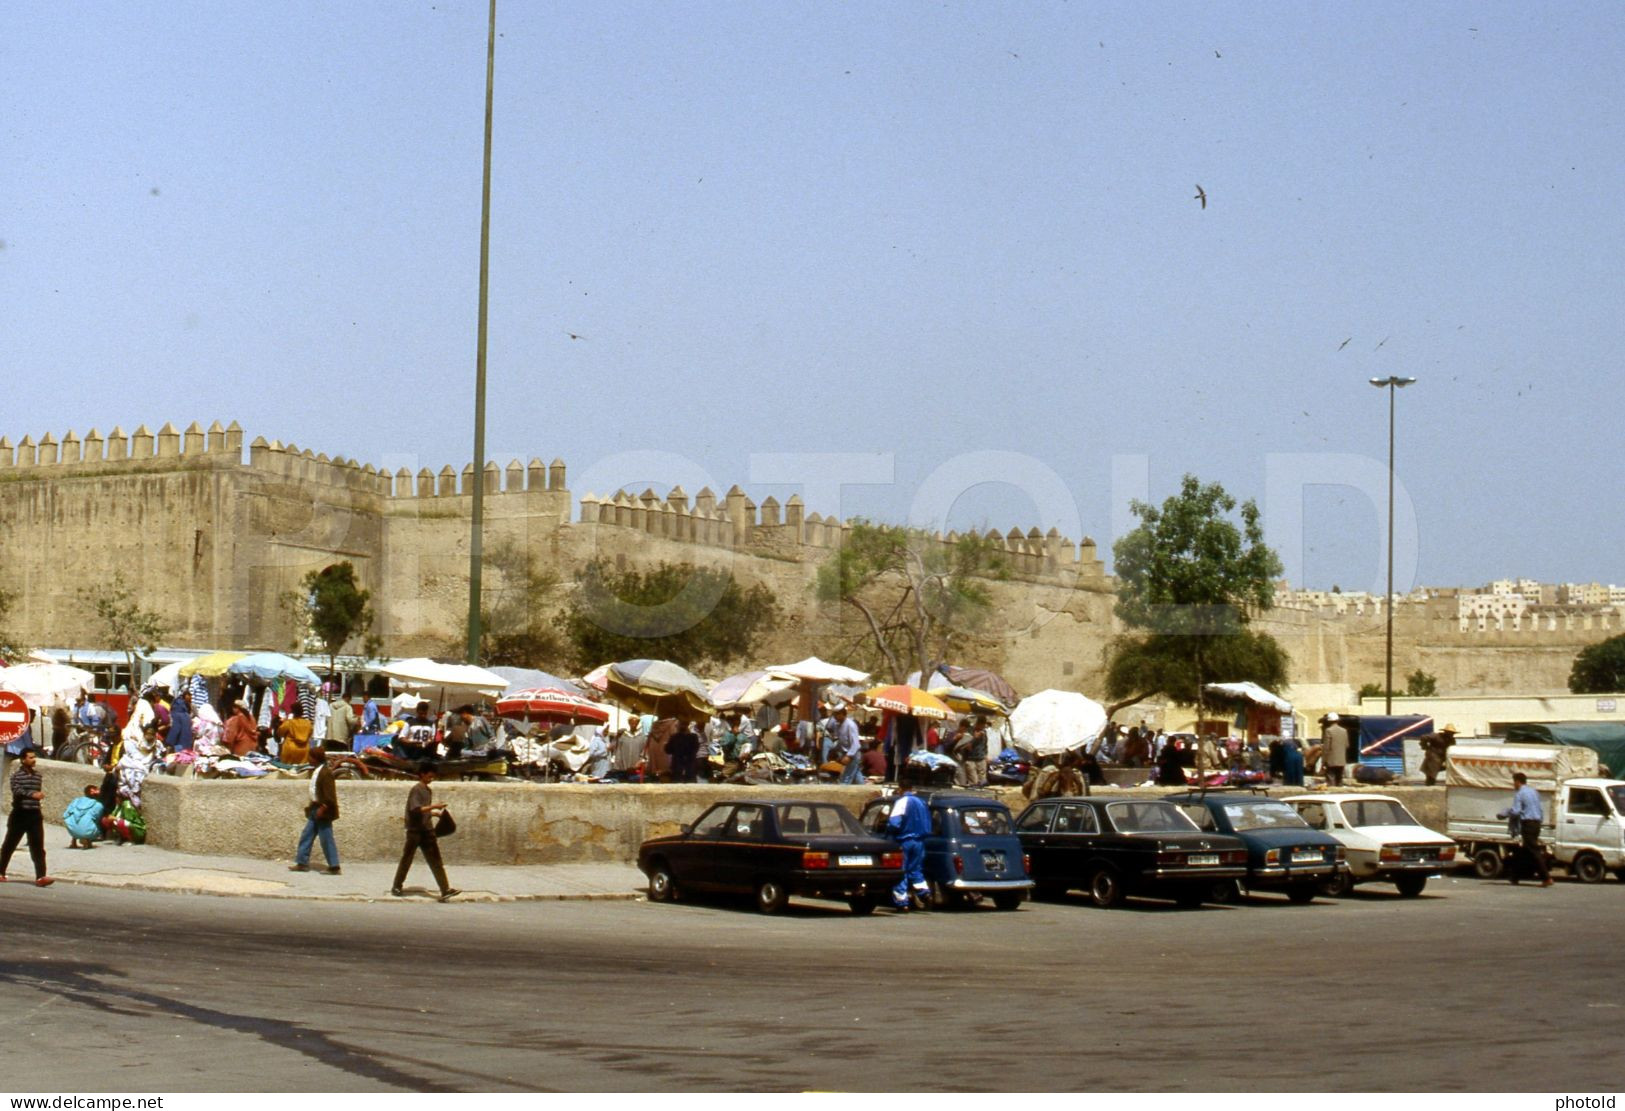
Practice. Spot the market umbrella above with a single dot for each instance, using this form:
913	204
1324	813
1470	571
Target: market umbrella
597	678
215	663
751	687
968	700
981	679
41	684
813	673
167	677
550	704
530	678
420	673
1051	722
658	687
266	666
902	699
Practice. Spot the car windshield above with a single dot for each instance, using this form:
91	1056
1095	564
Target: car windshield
1618	795
1245	816
801	817
984	820
1376	812
1147	817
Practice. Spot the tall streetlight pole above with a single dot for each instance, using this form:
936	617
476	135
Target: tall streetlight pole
476	542
1393	383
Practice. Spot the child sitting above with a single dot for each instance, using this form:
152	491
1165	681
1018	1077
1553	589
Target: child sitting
83	818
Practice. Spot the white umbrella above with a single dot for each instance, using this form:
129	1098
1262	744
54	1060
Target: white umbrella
445	682
814	670
1052	722
41	684
167	676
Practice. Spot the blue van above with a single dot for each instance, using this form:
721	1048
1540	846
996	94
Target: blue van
972	853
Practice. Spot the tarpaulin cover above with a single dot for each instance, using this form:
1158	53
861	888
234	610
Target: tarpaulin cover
1605	738
1473	765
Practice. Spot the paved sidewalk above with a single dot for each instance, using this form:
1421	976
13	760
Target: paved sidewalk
147	868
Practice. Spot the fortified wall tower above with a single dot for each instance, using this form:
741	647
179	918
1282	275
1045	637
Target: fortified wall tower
213	538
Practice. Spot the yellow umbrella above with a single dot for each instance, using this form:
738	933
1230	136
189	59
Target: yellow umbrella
967	699
902	699
215	663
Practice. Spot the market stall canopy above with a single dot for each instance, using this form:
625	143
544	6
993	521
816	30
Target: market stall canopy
903	699
213	664
41	684
597	678
266	666
530	678
1250	692
658	687
814	670
423	674
975	678
1052	722
749	688
551	704
968	700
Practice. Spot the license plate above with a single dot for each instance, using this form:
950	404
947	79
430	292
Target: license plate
1307	856
1202	858
993	860
1416	856
856	861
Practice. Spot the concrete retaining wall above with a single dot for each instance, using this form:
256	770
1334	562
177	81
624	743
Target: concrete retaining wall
498	823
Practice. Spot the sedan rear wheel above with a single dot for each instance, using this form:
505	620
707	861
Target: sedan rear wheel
662	884
1338	886
771	896
1007	900
1302	892
863	904
1410	886
1106	889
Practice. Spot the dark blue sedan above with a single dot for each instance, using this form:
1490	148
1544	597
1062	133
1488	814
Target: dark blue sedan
972	852
1283	852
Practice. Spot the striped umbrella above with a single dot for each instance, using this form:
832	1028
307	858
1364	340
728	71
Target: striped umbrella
550	704
966	699
658	687
900	699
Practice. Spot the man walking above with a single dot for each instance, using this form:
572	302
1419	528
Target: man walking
909	822
320	814
25	819
340	720
1524	819
846	745
421	810
1334	743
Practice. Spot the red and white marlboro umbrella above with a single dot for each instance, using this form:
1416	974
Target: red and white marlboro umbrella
547	704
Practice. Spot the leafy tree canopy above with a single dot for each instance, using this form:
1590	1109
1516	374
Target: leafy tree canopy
1599	668
693	616
917	595
518	626
1189	578
125	626
338	610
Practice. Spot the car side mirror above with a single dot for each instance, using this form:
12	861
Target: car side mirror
688	827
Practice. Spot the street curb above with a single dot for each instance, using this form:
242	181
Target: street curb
385	897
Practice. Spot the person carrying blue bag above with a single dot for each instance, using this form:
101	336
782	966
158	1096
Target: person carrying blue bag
910	822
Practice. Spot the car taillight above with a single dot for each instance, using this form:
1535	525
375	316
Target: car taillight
1447	853
1390	853
810	859
1342	854
891	860
1273	856
1234	858
959	865
1026	864
1170	858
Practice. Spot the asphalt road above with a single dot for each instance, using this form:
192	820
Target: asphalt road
1473	986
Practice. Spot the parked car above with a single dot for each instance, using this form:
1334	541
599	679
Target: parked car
972	851
1117	848
774	849
1283	853
1381	841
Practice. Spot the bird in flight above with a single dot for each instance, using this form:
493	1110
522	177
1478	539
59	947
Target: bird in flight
572	335
1345	343
1379	346
1201	195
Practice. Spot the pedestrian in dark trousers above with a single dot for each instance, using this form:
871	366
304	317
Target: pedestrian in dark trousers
320	814
1524	818
27	789
421	810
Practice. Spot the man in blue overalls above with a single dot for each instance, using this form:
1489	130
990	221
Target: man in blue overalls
909	822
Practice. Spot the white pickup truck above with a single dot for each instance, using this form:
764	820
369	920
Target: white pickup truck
1584	830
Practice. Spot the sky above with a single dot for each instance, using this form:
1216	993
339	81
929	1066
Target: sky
934	262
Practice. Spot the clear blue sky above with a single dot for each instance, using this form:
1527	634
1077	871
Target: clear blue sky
915	229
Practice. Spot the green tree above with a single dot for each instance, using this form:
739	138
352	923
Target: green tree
917	595
1599	668
338	611
693	616
518	625
10	647
1419	684
1189	579
125	626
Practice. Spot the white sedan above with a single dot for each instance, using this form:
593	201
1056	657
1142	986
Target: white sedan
1380	838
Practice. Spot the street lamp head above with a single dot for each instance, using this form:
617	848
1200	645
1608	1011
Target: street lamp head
1392	380
1403	382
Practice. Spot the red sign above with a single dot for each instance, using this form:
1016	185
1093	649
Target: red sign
13	716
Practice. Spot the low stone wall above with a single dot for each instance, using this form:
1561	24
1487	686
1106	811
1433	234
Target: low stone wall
498	823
